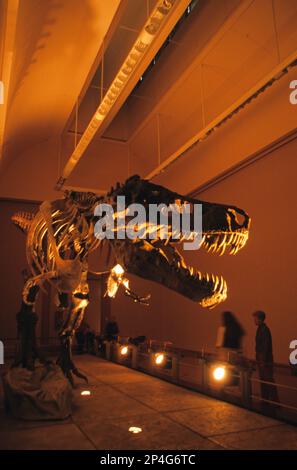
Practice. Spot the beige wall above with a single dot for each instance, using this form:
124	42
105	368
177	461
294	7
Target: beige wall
262	276
12	261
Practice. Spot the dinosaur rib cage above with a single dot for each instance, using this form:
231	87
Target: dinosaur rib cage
73	237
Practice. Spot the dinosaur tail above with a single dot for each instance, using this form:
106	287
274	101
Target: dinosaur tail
23	220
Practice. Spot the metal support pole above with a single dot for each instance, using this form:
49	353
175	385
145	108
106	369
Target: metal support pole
118	356
175	367
134	354
246	387
108	350
205	373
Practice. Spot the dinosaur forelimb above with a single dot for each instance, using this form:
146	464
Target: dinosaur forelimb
138	298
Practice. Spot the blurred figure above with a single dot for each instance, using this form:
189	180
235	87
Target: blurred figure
137	340
111	330
230	333
85	337
110	333
264	358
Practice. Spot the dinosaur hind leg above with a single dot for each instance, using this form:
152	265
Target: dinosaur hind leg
74	318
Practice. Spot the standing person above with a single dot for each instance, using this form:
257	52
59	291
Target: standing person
111	330
230	333
264	358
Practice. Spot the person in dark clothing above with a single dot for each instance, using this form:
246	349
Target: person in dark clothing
111	330
110	333
233	332
229	341
264	358
230	333
85	338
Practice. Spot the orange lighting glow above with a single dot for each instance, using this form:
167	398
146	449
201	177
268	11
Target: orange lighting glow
118	270
85	393
219	373
159	358
124	350
135	430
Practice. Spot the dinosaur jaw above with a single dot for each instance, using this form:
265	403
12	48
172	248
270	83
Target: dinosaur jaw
153	264
160	261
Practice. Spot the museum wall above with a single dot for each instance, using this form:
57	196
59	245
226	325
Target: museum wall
261	276
33	174
12	262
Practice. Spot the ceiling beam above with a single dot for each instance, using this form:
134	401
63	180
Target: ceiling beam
275	74
114	24
156	29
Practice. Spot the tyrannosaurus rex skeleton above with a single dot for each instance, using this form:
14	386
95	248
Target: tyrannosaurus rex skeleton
61	236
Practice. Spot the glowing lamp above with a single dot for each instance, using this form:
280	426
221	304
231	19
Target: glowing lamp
159	358
219	373
85	393
135	429
124	350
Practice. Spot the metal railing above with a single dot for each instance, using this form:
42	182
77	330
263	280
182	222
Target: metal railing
194	370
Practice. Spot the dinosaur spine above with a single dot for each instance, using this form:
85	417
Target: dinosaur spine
23	220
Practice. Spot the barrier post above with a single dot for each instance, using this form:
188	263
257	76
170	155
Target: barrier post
246	387
205	373
108	350
175	367
134	353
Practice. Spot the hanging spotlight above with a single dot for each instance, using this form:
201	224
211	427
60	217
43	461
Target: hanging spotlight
158	21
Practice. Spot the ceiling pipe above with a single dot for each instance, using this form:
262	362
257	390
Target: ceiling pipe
158	25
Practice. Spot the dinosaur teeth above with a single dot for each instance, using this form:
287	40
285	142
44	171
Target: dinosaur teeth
230	239
232	250
222	250
218	242
215	281
214	247
221	285
223	242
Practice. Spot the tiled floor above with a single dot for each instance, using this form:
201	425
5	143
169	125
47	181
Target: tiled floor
170	418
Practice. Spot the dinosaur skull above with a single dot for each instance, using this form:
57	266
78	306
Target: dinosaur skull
225	229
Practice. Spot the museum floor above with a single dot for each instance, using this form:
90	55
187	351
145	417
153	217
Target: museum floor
170	418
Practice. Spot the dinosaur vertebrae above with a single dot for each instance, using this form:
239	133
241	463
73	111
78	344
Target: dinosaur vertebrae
23	220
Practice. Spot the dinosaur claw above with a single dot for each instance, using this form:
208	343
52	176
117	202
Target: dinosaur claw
80	375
